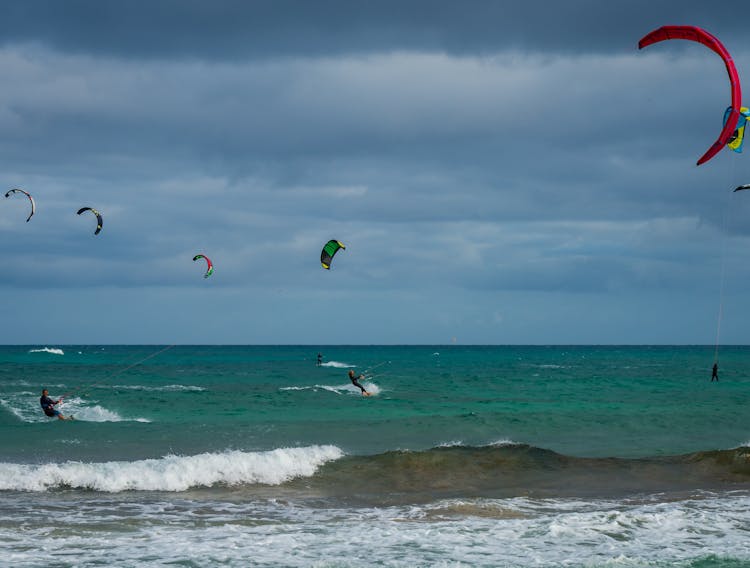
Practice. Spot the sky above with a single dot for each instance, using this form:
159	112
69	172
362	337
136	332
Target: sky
500	173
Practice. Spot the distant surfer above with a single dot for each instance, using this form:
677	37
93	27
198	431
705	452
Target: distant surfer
48	406
320	359
715	373
355	382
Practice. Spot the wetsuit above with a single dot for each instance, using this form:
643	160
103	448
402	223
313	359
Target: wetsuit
48	406
715	373
356	384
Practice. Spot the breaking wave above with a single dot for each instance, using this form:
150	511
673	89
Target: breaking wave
502	470
171	473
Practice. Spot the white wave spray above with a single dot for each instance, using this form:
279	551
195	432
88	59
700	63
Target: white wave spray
337	365
24	406
371	387
52	350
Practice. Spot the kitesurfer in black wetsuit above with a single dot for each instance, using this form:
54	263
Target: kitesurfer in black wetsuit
354	380
48	406
715	373
320	359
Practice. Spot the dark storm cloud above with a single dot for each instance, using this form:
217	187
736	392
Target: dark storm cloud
394	139
235	29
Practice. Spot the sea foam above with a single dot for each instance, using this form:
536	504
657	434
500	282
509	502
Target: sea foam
171	473
459	532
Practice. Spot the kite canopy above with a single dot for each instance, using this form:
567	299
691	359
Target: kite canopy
329	250
737	139
27	194
209	268
693	33
741	187
99	220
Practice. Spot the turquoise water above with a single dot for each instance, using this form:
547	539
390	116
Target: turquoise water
593	453
582	401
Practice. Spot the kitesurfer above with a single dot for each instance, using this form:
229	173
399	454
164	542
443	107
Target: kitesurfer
48	406
320	359
354	380
715	373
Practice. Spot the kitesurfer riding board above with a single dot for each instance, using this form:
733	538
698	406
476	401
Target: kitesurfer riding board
48	406
355	382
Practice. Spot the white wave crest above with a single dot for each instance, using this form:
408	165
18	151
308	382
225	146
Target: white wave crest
460	444
337	365
503	442
452	444
166	388
52	350
33	384
171	473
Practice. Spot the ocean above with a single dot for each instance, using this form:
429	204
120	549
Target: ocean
462	456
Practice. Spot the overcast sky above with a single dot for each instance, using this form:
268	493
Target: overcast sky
500	173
